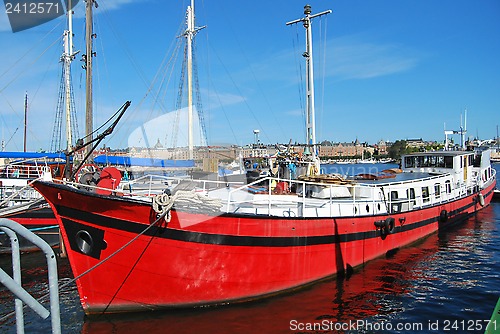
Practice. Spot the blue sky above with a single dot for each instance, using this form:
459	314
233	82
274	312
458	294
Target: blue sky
385	69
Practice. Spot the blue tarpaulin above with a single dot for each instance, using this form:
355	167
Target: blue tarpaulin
143	162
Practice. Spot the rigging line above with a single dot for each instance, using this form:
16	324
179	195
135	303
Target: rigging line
34	96
241	94
225	114
180	94
147	83
323	67
165	64
8	141
107	121
114	253
11	67
73	280
10	105
29	65
259	86
133	266
300	84
199	105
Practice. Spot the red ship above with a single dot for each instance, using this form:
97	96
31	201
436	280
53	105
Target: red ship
218	243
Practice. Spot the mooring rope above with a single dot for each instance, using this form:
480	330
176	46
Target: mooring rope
186	199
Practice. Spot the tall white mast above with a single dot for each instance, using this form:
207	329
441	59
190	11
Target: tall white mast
189	35
89	35
67	58
463	130
190	32
310	116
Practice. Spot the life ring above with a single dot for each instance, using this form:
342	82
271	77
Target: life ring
480	198
443	216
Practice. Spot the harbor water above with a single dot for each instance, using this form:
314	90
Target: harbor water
447	282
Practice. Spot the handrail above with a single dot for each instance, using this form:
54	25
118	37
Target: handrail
18	191
14	284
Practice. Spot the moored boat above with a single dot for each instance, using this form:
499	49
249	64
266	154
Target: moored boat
21	203
132	257
221	244
37	216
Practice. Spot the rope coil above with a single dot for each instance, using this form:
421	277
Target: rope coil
191	200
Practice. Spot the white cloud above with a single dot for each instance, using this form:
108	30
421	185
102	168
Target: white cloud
363	60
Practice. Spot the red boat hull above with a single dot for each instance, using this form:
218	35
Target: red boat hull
217	259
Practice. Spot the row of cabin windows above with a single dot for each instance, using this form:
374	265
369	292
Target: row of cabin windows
435	161
410	193
428	161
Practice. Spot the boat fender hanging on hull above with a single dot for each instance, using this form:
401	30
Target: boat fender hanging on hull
386	226
480	199
443	216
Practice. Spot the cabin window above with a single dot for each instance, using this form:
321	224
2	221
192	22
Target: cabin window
471	160
447	185
448	162
425	194
410	193
409	162
394	195
437	190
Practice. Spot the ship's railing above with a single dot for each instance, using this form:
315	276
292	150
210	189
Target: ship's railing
149	185
364	199
12	195
14	284
26	169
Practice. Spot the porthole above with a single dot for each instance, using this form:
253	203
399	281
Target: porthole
367	208
84	242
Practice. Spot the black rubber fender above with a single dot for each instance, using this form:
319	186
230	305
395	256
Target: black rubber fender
390	224
443	216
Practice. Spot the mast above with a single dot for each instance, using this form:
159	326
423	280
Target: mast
67	59
310	113
190	32
89	35
189	36
25	118
498	141
463	130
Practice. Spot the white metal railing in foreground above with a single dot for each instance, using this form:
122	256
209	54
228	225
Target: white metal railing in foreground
13	229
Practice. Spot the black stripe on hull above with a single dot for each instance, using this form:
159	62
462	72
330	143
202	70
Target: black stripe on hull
75	215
